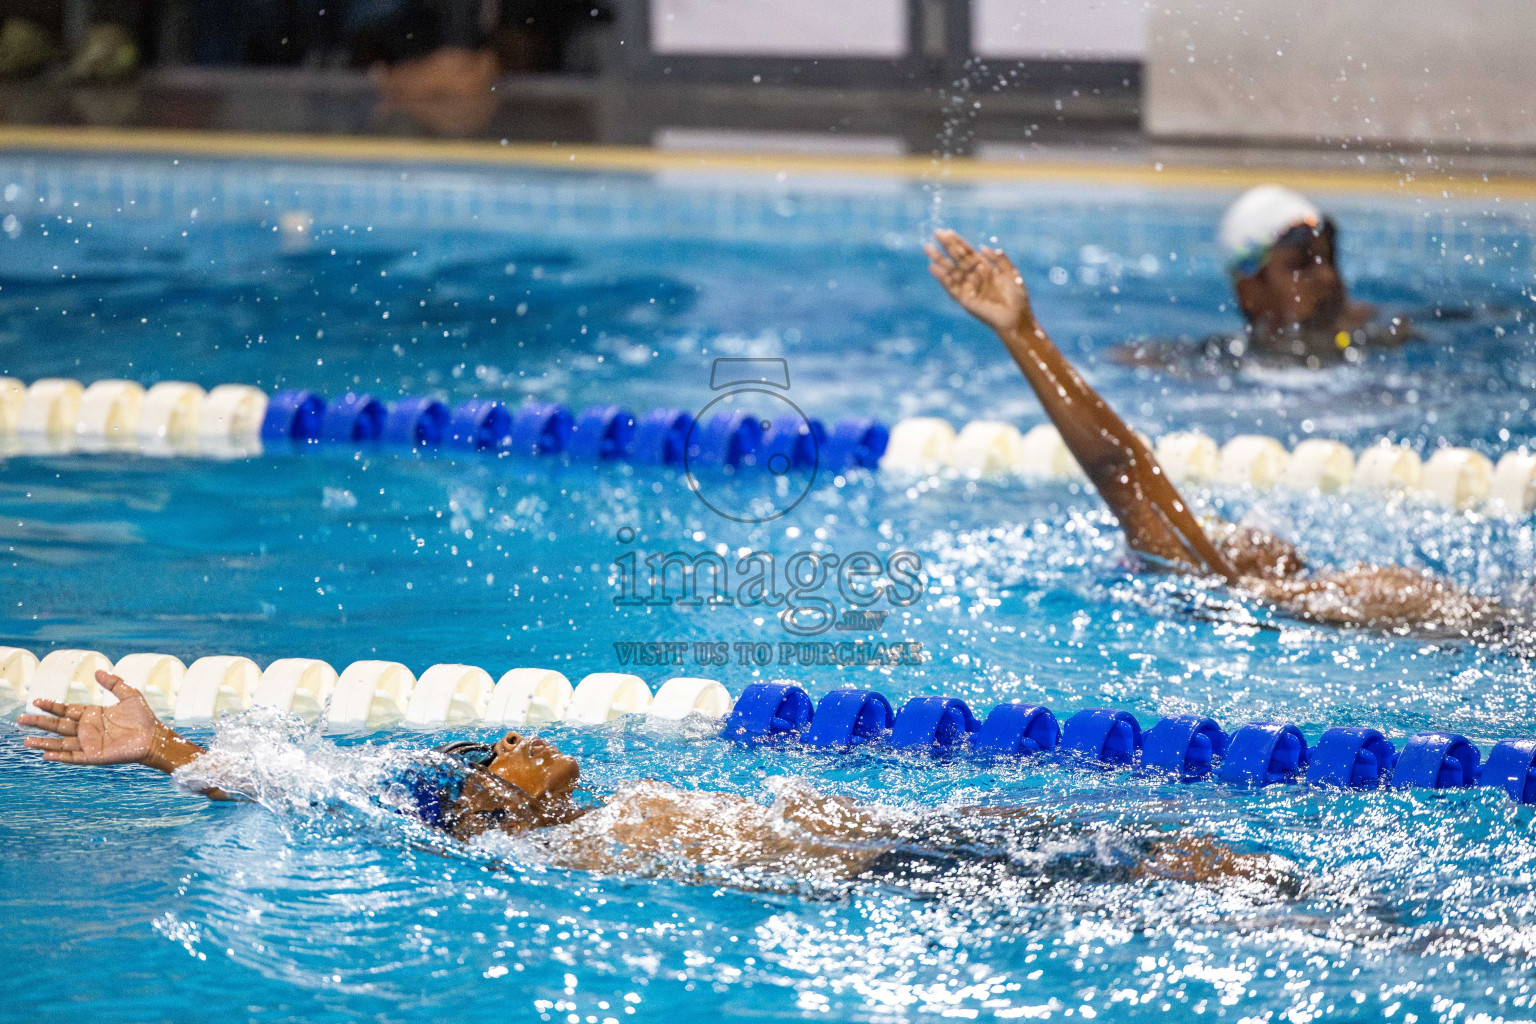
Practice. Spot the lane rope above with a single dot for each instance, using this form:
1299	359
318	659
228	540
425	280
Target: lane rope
381	694
56	416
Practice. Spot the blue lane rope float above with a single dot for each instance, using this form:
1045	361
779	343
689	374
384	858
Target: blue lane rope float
1265	753
933	723
1436	760
1015	730
293	416
353	419
1186	745
542	428
1511	766
855	444
846	718
796	440
603	433
1103	735
1190	747
480	425
1351	757
725	440
661	437
416	422
766	711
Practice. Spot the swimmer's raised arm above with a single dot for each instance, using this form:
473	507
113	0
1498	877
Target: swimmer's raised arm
1155	519
128	732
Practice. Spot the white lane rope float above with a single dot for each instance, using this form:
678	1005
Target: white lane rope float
366	695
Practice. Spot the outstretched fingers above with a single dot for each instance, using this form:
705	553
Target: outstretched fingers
49	723
67	756
52	744
959	250
1002	261
939	262
945	272
954	244
58	711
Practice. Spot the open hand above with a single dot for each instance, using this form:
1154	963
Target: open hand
86	734
985	282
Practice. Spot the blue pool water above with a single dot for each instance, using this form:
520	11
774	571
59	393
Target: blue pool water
126	899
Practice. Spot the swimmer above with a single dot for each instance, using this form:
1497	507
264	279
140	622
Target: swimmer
1158	525
1281	255
522	786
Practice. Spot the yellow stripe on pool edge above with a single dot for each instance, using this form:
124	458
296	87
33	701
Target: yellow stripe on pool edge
643	159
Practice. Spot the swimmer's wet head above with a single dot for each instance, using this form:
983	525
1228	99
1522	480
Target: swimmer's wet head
517	783
1281	254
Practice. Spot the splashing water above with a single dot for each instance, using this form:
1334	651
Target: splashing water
407	920
318	902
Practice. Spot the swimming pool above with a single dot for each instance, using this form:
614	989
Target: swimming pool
619	287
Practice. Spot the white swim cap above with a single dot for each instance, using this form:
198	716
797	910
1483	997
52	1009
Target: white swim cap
1252	225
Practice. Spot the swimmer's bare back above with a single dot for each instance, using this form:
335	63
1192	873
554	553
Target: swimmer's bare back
1157	522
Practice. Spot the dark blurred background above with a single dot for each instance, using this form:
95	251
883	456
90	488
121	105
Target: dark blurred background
995	78
113	40
619	71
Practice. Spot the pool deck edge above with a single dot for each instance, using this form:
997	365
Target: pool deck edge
638	159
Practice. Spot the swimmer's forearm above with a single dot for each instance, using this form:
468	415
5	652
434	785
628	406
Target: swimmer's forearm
1100	440
169	750
1150	511
1115	459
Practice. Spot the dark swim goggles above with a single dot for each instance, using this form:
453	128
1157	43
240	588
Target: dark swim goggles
476	755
